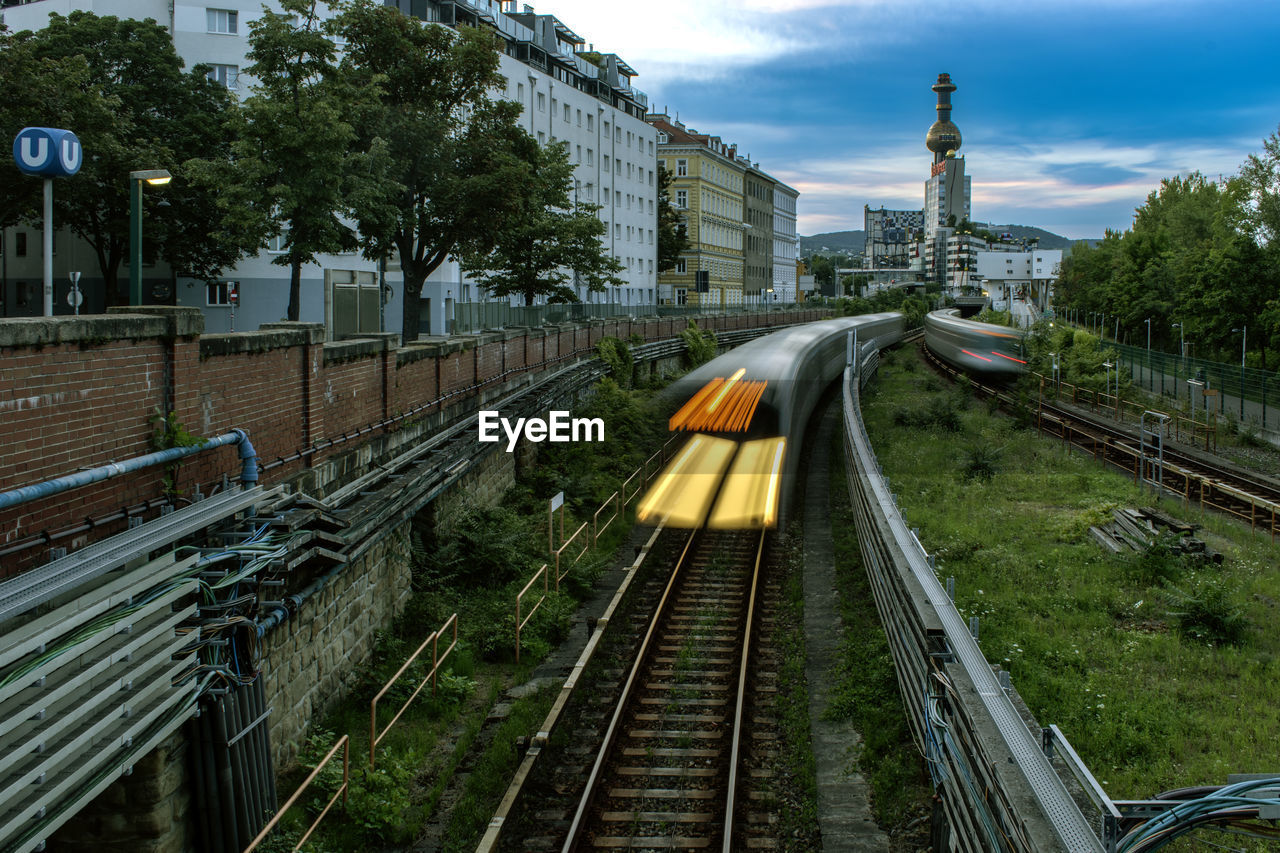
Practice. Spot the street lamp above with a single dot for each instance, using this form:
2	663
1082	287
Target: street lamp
1244	336
1108	365
1150	382
157	178
1182	341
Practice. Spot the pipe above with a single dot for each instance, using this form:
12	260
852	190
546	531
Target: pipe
248	473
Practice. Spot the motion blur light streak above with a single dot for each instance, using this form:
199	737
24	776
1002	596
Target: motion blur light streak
975	355
739	401
691	481
749	497
1009	357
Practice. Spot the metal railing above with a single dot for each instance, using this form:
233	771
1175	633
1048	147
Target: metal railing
436	659
472	317
520	623
996	787
344	743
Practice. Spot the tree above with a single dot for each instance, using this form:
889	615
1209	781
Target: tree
673	234
454	177
550	242
295	159
120	86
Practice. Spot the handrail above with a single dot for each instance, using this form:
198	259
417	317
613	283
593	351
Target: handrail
344	743
436	660
565	544
596	529
520	623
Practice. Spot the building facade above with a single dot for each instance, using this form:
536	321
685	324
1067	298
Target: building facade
891	237
1025	272
581	97
786	243
708	186
757	236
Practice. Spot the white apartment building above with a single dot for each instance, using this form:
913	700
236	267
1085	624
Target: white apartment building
589	104
1029	273
786	244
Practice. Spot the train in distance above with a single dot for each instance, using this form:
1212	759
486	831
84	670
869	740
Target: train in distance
979	349
746	413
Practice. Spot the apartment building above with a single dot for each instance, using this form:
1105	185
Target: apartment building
568	93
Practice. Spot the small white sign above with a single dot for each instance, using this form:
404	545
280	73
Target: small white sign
557	501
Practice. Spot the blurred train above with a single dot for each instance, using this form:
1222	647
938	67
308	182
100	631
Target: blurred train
982	349
746	412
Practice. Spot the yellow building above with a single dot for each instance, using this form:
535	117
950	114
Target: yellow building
708	191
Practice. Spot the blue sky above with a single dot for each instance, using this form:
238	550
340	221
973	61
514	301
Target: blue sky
1071	111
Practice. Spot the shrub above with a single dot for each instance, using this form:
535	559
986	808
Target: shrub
700	344
1208	615
617	354
980	462
1162	561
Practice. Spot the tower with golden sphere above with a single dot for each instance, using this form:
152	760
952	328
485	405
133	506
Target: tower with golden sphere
946	193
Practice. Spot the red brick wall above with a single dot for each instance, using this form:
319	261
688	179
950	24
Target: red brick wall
77	393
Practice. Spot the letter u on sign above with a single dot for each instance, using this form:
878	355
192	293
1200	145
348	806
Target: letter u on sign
47	152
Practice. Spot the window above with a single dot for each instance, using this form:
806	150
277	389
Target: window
617	166
222	21
276	244
542	102
227	75
542	138
554	103
566	113
606	128
20	244
591	192
617	134
222	293
591	120
617	198
591	156
520	92
617	231
682	199
579	118
682	168
578	158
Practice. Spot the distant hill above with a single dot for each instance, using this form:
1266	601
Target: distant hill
845	242
854	242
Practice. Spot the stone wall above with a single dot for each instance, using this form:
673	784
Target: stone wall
147	811
309	662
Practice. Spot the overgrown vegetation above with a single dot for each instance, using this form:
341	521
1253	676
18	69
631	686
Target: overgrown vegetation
865	689
700	344
799	814
616	353
1158	670
474	562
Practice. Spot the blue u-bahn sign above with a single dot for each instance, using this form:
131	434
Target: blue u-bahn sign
47	152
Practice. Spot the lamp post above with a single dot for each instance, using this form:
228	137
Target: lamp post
1108	365
1182	341
157	178
1150	384
1244	336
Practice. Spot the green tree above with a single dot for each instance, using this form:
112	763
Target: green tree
673	234
295	160
453	176
551	242
119	84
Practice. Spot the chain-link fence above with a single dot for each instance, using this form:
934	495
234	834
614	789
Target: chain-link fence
1244	392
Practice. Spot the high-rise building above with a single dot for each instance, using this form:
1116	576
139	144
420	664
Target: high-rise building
568	93
946	193
892	237
786	244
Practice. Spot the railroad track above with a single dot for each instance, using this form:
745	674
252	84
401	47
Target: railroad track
1195	477
669	743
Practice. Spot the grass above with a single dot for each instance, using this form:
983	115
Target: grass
1094	642
865	686
799	818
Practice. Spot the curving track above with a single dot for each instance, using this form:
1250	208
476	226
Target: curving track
1195	477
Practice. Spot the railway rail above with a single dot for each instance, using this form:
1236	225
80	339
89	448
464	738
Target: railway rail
1194	477
666	774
